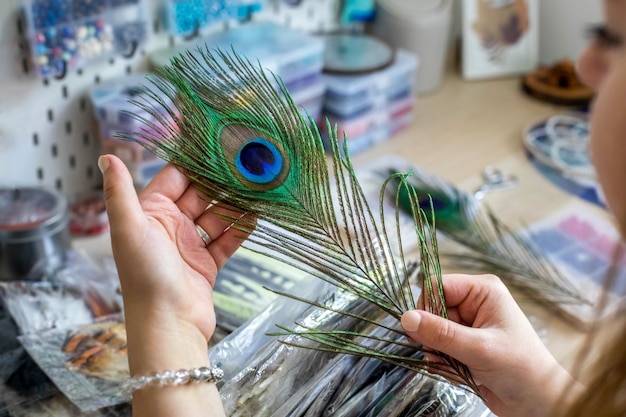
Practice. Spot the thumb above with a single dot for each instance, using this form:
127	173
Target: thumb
122	204
443	335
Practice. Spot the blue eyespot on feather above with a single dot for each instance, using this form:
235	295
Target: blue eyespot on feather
259	161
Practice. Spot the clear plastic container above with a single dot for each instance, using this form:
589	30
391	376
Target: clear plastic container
310	97
357	126
351	95
288	53
68	34
143	172
129	152
88	214
375	127
34	233
187	17
111	102
112	106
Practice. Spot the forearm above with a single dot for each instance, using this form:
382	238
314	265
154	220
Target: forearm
547	394
157	344
558	392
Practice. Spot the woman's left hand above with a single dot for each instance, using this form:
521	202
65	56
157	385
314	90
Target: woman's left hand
165	267
167	273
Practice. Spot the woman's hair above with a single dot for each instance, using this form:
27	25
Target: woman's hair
605	393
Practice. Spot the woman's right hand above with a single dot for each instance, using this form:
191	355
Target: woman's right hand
489	333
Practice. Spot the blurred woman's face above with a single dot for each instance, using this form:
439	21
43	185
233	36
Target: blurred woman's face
603	67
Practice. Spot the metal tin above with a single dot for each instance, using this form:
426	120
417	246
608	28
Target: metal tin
34	233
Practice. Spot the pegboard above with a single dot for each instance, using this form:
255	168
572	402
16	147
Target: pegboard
48	135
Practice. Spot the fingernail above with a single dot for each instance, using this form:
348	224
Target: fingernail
103	163
411	321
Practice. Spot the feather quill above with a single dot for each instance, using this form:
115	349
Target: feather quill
236	132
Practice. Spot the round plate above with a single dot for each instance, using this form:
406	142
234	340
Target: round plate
351	54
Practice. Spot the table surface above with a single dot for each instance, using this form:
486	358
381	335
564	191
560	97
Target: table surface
459	130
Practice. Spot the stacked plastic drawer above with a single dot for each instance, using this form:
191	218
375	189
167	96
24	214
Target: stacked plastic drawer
372	107
296	57
111	102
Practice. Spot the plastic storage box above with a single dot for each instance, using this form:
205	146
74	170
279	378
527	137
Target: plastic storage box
369	129
370	108
290	54
350	95
68	34
111	105
310	98
296	57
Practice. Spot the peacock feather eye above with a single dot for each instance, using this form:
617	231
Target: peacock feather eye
439	204
257	160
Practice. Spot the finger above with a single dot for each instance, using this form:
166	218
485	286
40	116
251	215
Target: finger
420	301
216	219
169	182
469	293
458	286
230	240
453	314
456	340
123	208
193	203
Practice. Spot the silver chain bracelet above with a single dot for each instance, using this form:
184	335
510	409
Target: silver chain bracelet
171	378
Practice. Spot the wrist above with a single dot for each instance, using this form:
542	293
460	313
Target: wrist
552	391
563	390
162	342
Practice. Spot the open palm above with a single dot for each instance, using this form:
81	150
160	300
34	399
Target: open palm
165	267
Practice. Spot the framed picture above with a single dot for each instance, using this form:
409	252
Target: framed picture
500	37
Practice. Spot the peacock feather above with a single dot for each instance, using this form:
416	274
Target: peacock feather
235	131
492	246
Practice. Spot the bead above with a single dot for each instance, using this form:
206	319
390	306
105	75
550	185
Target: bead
217	374
195	375
70	44
142	382
181	377
167	378
172	378
155	378
67	32
136	384
81	32
205	374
